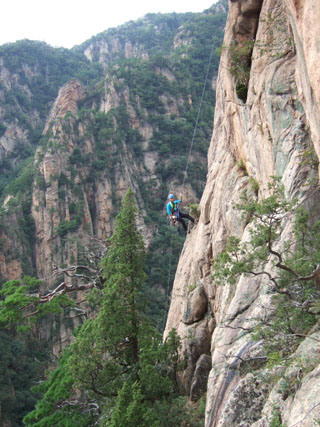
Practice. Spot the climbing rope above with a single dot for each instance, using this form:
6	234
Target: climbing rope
184	178
197	120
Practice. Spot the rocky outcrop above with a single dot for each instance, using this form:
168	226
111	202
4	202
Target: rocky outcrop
15	99
84	168
263	135
303	16
105	51
72	210
67	99
54	200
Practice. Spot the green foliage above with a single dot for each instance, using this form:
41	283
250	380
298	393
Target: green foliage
129	408
293	281
309	157
21	305
276	418
154	33
254	185
242	91
130	341
157	262
240	60
20	365
17	222
50	69
133	410
40	71
194	210
15	299
50	410
240	65
23	181
68	226
242	167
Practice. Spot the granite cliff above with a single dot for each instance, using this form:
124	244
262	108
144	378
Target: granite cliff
265	130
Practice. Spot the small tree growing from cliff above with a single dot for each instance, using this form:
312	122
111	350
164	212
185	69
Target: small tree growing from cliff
294	272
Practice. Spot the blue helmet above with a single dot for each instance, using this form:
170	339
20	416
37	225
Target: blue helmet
171	196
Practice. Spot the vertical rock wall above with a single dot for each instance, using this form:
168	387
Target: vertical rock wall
252	141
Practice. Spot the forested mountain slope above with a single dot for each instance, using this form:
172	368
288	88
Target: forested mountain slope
78	128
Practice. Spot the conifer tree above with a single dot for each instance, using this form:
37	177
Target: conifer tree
119	350
107	347
290	269
118	361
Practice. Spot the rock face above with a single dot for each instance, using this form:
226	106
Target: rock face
67	99
54	200
267	133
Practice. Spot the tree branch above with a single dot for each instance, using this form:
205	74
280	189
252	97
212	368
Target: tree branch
309	412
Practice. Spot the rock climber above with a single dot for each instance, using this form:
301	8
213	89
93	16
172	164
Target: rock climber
174	212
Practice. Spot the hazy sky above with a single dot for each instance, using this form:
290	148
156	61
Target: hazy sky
70	22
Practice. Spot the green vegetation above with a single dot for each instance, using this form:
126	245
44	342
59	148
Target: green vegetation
242	167
254	185
22	362
43	70
194	210
276	418
56	390
40	70
18	180
240	65
152	33
157	262
294	280
21	306
124	372
66	227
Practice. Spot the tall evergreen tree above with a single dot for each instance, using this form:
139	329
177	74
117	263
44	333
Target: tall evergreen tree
118	359
119	350
107	347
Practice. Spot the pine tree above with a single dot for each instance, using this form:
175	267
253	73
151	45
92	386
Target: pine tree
107	347
118	361
294	277
119	350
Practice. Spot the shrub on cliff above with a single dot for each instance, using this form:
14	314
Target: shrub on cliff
295	268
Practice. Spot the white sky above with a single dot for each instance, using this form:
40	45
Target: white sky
70	22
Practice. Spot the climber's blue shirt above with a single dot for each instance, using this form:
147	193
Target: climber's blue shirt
172	206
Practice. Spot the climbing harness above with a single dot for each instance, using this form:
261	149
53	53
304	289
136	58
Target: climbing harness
174	219
184	178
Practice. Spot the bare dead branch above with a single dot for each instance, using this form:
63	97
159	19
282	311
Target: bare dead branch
236	327
299	335
309	412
